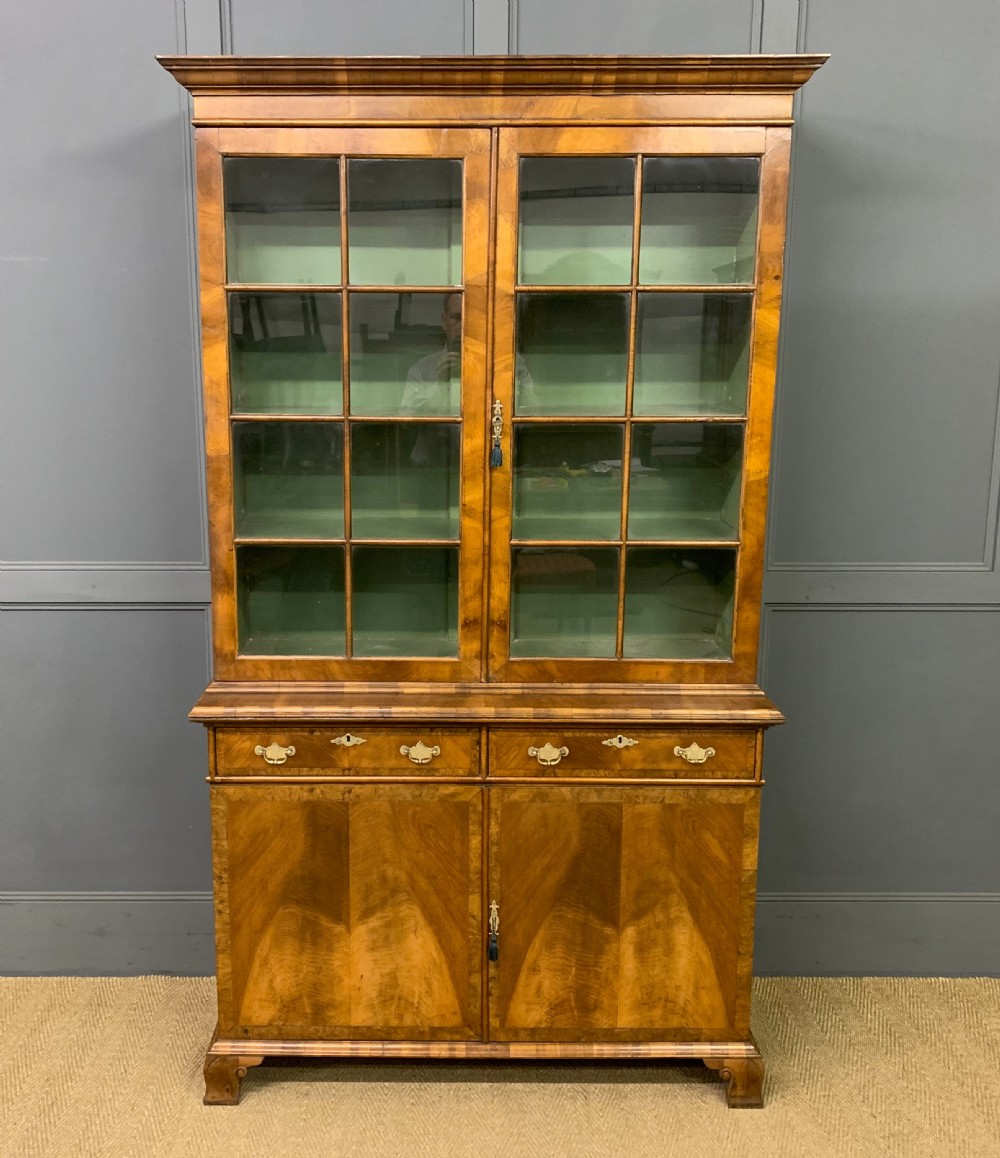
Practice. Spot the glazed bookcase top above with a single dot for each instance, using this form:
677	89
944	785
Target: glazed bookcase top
489	391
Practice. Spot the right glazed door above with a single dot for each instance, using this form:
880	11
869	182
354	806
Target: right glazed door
624	913
633	374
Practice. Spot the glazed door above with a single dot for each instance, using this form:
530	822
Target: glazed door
638	284
348	912
624	913
344	317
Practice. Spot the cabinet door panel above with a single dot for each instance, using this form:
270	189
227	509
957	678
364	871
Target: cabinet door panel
635	291
348	911
344	289
625	913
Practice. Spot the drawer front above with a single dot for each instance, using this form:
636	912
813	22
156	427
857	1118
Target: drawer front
697	753
271	750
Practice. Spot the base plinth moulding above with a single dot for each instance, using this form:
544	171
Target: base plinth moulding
738	1062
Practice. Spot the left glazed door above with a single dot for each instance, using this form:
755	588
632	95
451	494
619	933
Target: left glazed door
344	323
348	911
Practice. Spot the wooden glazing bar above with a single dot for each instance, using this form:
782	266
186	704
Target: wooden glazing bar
270	416
737	287
366	542
593	544
623	288
290	541
332	287
589	543
266	287
629	392
648	419
415	419
583	290
574	419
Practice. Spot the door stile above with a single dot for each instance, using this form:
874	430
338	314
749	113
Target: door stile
760	395
501	477
215	371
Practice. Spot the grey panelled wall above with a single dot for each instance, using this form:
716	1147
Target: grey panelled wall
881	638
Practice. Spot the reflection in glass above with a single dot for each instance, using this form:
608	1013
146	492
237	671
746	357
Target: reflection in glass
699	220
406	354
567	481
404	480
290	600
288	480
405	601
405	221
685	481
576	220
564	601
284	353
282	220
679	603
572	353
692	354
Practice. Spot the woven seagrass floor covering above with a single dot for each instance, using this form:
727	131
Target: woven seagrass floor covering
856	1067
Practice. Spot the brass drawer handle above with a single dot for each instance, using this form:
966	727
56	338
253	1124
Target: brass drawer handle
419	753
694	753
620	742
548	755
348	741
274	753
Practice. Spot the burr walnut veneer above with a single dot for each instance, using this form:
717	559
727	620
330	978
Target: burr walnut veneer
489	351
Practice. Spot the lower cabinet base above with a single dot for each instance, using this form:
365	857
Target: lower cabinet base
739	1063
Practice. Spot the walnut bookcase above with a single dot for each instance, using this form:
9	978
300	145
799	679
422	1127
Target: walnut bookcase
489	352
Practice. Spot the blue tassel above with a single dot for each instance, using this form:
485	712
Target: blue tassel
496	456
493	948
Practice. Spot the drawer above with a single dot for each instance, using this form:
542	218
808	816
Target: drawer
270	750
710	753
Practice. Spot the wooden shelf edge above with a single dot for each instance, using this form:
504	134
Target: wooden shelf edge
238	703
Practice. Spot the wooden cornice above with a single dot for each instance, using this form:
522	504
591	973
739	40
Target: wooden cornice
491	75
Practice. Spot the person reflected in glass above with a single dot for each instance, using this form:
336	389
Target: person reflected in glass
431	382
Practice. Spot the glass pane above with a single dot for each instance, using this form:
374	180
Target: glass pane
288	480
567	481
564	601
405	601
405	221
699	220
576	220
685	481
290	600
679	603
572	353
406	353
282	220
284	353
692	354
404	480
